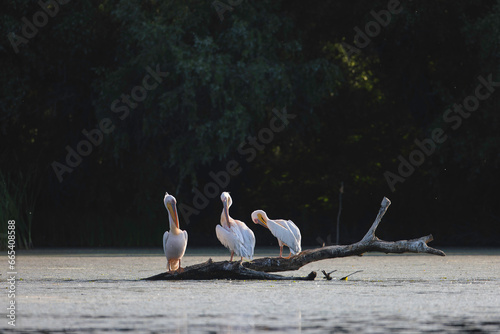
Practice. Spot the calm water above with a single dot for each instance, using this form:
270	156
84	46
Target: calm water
99	291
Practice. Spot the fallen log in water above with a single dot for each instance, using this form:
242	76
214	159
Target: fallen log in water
223	270
259	268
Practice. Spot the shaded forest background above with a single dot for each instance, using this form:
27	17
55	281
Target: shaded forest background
356	113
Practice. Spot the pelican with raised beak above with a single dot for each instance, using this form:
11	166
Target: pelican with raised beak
175	240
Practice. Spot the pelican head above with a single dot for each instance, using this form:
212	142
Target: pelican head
226	198
171	205
260	217
226	203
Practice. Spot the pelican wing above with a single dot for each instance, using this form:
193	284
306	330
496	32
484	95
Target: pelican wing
248	239
184	235
228	238
286	232
296	233
165	238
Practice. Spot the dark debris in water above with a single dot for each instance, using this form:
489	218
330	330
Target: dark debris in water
328	276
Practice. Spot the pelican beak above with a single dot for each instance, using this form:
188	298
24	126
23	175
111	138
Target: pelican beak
173	213
261	221
226	212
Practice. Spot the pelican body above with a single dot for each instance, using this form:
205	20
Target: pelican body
287	233
175	240
234	234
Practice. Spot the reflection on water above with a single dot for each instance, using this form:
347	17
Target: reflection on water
82	291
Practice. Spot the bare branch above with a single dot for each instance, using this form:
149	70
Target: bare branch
370	235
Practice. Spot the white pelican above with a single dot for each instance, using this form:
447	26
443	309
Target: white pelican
175	241
234	234
287	233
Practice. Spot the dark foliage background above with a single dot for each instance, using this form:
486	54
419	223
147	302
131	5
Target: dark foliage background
354	116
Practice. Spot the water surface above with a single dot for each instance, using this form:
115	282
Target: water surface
73	291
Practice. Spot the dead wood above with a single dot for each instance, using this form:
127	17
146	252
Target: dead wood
224	270
369	243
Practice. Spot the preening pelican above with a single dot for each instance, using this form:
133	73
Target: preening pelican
287	233
234	234
175	241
